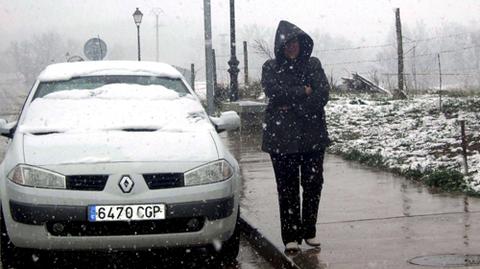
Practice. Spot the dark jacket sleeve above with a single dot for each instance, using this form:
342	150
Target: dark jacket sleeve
319	84
278	93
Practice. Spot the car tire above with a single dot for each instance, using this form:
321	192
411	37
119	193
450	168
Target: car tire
10	255
228	251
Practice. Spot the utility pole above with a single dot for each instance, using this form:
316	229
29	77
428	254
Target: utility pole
440	78
156	38
245	62
400	53
233	62
208	55
156	12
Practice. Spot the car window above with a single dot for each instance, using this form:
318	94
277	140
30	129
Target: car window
93	82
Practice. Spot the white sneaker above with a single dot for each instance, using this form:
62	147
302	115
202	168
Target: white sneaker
292	246
313	242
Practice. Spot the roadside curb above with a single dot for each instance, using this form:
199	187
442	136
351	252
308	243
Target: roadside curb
265	247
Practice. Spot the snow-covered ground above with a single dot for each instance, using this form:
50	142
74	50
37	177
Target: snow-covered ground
408	134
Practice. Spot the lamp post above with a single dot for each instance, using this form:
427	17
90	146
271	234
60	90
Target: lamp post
137	18
233	62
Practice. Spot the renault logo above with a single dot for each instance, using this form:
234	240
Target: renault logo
126	184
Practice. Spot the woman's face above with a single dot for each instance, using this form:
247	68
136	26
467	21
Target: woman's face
292	49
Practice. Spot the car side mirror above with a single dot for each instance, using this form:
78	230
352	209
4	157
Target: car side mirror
7	129
228	121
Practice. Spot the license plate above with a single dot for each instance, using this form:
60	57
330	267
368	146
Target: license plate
126	212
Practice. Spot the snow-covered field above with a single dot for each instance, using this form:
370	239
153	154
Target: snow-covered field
408	135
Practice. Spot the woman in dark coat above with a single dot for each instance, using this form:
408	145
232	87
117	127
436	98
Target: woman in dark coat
295	132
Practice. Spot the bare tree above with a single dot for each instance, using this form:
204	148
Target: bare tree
31	56
23	58
261	47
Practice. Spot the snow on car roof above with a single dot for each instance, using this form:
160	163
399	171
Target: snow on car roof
65	71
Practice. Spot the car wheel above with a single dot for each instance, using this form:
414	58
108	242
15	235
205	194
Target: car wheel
228	251
10	255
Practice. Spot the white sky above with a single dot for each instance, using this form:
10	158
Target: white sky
362	21
352	18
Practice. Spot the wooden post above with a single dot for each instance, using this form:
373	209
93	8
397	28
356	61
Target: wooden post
464	146
192	76
414	68
440	88
399	52
245	62
331	79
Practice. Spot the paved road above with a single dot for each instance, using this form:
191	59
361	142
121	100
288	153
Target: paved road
247	259
367	218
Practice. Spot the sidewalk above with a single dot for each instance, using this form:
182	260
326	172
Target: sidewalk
367	218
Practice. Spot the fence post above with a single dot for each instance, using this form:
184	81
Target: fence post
440	78
192	76
464	146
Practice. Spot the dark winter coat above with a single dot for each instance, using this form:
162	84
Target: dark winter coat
294	122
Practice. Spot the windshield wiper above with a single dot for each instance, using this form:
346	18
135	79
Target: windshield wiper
46	133
139	129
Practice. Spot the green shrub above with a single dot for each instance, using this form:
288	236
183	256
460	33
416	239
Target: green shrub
446	180
374	160
413	174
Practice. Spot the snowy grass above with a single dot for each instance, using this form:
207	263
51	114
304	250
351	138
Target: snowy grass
410	137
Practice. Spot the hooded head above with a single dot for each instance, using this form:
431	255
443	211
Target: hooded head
288	33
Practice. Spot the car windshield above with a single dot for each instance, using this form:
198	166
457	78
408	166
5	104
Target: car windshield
93	82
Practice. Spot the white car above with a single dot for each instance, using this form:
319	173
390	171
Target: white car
117	155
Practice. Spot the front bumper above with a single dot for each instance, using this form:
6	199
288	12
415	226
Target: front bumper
30	212
33	227
41	214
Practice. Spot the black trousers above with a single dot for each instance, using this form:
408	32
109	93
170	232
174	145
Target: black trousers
291	170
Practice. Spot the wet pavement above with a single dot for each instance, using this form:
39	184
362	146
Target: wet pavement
367	219
182	258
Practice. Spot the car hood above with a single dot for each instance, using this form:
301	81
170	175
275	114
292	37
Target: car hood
119	146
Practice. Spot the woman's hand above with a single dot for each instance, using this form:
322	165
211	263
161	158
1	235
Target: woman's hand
308	90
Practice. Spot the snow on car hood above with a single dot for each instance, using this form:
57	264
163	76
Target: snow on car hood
118	146
115	107
116	122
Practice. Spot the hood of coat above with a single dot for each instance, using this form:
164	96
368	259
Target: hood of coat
287	31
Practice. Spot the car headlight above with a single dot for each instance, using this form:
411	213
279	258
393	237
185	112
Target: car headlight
36	177
209	173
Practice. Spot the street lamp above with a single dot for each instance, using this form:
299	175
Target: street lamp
137	18
233	62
